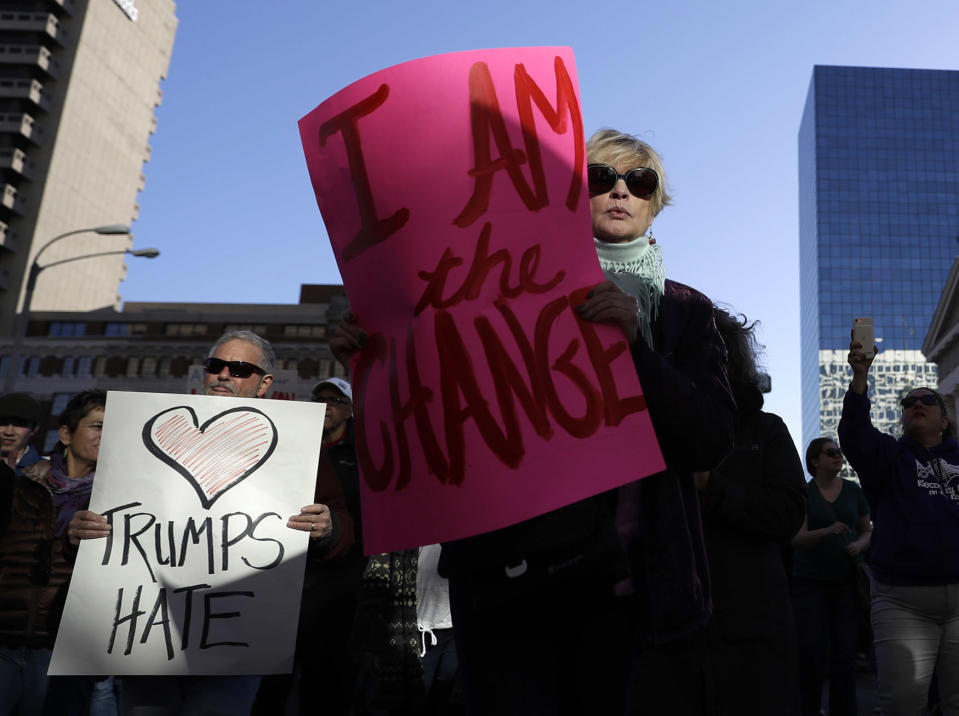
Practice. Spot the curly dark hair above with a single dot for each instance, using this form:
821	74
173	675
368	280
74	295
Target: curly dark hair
739	335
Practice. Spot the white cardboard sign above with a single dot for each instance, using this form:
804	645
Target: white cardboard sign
200	574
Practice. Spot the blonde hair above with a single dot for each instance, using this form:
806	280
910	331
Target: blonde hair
609	146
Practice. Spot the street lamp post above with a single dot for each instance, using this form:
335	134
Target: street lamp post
23	318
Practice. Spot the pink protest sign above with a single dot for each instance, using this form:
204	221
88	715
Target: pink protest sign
453	192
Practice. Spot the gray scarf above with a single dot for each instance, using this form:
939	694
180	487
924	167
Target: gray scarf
637	268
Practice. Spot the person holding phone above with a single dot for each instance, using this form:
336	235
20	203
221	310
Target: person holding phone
912	485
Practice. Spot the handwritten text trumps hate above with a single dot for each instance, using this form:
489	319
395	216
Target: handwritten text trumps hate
144	610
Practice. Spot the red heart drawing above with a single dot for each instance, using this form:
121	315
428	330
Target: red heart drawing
215	456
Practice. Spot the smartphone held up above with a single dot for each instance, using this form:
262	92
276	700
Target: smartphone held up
863	333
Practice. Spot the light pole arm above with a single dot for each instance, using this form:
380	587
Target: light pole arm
22	319
36	269
55	239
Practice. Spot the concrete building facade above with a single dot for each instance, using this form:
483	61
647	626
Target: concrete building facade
79	83
159	348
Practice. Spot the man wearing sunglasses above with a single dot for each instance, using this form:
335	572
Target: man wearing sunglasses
19	420
240	365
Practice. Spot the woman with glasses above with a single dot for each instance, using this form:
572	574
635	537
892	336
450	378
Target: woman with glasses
829	544
34	571
913	486
552	614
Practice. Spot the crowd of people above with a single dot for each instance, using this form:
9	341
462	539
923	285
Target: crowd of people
725	584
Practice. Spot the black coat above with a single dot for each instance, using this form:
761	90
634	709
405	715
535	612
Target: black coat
753	505
693	413
684	382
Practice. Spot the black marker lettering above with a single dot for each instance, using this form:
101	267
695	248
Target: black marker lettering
209	616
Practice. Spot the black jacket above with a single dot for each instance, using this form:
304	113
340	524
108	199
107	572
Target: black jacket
684	382
693	412
753	504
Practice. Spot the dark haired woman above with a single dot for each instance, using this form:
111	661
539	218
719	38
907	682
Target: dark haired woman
829	544
33	568
752	505
913	486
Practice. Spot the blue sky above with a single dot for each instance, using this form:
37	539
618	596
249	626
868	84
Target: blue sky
717	88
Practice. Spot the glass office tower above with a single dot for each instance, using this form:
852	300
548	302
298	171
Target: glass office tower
878	229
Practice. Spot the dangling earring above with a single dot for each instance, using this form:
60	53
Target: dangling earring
652	239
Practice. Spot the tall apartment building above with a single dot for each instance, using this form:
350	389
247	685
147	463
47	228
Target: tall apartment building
878	229
79	82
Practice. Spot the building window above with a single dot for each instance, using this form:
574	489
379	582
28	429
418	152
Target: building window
324	369
99	367
59	403
33	367
258	328
84	363
148	368
133	367
164	370
4	366
50	366
115	366
69	364
50	440
179	366
117	329
67	329
306	368
186	329
301	331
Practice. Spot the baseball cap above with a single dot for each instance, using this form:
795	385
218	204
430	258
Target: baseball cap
337	384
22	405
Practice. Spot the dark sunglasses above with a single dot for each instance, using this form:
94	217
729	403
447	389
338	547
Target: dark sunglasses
338	401
238	368
832	452
641	182
16	422
925	399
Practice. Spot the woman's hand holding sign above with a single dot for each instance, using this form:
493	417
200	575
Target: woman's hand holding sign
87	525
314	519
608	303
